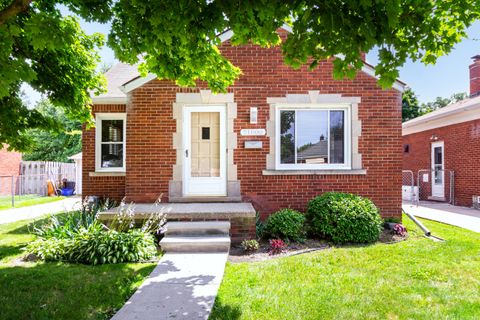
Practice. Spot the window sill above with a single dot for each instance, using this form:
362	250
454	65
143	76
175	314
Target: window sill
107	174
314	172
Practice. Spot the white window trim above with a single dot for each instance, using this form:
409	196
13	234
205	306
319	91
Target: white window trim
99	117
315	106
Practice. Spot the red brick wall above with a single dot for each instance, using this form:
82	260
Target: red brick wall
150	156
102	186
9	166
462	147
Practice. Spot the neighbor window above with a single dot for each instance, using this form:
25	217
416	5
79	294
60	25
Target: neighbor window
314	138
110	142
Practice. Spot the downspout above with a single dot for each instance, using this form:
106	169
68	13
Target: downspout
427	232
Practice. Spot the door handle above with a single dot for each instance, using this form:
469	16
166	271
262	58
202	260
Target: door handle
186	153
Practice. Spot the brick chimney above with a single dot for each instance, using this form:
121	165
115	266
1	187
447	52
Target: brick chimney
475	77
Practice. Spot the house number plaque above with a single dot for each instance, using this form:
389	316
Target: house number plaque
252	132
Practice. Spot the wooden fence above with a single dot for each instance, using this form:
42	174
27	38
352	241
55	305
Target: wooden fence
34	175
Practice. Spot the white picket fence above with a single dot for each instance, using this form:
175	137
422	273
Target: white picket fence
34	175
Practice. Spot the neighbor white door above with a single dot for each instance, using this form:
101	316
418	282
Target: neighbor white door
204	145
438	172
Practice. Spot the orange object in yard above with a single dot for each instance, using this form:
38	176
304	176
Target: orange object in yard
51	188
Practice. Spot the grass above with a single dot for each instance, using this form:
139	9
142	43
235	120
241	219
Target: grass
413	279
25	201
41	290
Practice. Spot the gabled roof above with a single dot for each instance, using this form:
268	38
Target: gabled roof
462	111
116	76
123	78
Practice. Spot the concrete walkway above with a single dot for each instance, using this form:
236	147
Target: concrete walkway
182	286
30	212
462	217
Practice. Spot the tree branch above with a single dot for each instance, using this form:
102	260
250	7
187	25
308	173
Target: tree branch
13	9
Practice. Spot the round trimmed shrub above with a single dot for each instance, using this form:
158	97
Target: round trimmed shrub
286	224
344	217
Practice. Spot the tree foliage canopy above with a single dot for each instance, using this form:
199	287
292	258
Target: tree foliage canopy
178	40
54	146
412	108
441	102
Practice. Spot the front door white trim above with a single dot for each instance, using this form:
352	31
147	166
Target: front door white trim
204	186
438	171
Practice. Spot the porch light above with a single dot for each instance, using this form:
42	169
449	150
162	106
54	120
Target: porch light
434	137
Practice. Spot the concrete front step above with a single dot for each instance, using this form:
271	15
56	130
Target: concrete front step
240	215
192	211
198	228
184	244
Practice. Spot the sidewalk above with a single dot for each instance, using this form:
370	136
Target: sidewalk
30	212
182	286
462	217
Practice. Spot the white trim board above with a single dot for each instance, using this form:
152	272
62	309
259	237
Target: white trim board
442	120
204	186
136	83
347	152
98	136
109	100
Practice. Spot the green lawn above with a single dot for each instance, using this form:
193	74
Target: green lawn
414	279
25	201
60	290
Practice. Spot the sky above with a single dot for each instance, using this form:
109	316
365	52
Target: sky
448	76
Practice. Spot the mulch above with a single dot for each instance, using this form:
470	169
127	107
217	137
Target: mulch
238	255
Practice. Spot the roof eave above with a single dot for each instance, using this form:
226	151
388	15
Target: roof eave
455	116
109	100
136	83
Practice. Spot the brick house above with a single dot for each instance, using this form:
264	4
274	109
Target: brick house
9	166
278	138
447	140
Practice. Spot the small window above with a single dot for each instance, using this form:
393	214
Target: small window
406	148
313	138
205	133
110	142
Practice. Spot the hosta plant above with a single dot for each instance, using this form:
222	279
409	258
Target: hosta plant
80	237
250	245
97	246
65	226
124	219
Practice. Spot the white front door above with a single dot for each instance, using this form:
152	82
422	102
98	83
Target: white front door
438	172
204	145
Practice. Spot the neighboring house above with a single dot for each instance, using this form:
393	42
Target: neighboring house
278	138
9	166
447	140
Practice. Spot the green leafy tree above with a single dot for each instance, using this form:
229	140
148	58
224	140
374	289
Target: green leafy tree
443	102
178	40
55	146
411	107
52	54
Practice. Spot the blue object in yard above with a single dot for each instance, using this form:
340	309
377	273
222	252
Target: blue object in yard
67	192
